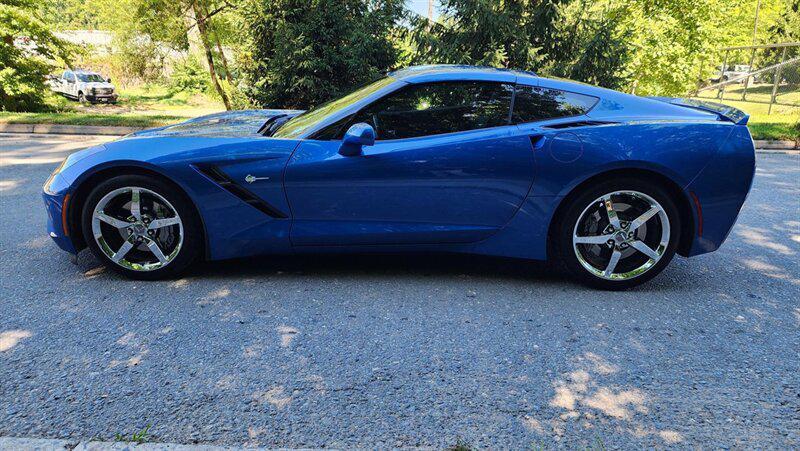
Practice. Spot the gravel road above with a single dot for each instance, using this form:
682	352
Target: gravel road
380	351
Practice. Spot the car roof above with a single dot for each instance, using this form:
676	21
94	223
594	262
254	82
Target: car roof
442	72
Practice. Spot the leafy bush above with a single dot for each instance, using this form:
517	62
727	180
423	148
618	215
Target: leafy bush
188	75
26	45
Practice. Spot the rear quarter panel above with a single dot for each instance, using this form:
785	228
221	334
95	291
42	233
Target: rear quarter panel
565	158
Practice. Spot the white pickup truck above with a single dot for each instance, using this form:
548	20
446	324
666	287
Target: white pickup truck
84	86
731	72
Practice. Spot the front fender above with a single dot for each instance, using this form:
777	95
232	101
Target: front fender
232	227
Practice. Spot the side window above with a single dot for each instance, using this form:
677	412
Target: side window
334	131
535	104
436	108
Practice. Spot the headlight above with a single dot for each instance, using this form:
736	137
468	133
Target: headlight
48	188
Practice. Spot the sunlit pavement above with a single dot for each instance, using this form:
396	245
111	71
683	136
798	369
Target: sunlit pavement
401	351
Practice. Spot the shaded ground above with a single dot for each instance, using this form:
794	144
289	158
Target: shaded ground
401	351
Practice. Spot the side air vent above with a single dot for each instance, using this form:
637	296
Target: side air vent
578	124
222	179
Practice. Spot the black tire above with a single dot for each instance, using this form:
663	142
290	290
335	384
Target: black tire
81	98
192	244
566	223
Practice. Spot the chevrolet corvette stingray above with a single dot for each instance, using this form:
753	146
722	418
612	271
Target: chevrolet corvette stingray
426	159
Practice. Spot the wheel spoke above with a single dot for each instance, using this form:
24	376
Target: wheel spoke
599	239
645	249
153	246
118	223
636	223
163	222
612	215
612	264
123	250
136	204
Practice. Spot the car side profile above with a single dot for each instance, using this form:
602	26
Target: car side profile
426	159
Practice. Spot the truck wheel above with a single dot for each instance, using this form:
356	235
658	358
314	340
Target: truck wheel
81	98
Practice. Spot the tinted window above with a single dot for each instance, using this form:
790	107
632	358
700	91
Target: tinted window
536	104
334	131
436	108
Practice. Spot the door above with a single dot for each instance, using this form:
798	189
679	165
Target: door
446	168
72	85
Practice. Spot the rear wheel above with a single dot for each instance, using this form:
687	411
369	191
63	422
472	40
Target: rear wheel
141	227
618	234
81	98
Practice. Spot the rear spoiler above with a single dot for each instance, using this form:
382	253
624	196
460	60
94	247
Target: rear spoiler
725	112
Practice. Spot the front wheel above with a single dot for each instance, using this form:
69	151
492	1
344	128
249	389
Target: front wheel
618	234
141	227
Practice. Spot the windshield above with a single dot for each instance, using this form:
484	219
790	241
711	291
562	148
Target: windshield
299	124
90	78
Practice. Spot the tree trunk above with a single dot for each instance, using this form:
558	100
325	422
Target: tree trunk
219	48
203	30
224	60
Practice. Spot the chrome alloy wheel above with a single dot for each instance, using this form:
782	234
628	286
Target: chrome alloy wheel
137	228
621	235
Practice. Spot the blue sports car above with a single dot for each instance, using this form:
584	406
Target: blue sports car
433	158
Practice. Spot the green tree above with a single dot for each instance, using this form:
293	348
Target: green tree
26	48
514	33
568	38
302	52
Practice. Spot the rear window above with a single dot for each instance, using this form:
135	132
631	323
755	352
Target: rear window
533	104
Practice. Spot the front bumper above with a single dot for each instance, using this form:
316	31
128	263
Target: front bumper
57	228
101	97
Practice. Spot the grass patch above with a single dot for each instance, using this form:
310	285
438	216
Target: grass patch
142	106
461	445
775	131
782	123
137	437
75	118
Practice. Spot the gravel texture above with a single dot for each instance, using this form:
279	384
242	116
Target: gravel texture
385	351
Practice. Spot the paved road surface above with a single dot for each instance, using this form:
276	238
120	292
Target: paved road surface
420	350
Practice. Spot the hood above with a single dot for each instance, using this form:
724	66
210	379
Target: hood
99	85
230	124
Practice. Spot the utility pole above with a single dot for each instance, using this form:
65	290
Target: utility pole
430	10
753	53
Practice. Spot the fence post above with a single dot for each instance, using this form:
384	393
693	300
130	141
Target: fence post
749	69
777	80
721	92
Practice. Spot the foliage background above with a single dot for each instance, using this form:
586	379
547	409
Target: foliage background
298	53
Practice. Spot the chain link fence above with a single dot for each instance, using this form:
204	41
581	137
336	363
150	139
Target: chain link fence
767	74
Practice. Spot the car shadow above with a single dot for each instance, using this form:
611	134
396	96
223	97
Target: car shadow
422	264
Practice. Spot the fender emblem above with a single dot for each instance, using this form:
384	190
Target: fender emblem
251	178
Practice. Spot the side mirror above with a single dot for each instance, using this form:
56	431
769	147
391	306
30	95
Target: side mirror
357	136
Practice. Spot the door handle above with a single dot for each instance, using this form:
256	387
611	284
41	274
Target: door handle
537	141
